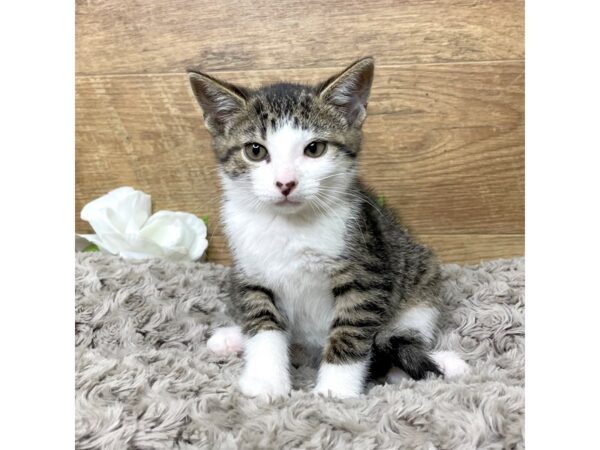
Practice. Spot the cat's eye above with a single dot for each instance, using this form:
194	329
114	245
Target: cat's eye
255	152
315	149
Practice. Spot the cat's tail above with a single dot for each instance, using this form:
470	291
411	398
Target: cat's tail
408	356
411	356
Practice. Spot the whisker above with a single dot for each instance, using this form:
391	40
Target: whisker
331	176
328	208
352	217
357	195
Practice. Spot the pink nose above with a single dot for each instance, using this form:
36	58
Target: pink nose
286	188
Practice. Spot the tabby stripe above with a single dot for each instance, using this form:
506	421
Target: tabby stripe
258	107
421	271
375	267
359	323
250	328
349	331
343	350
341	290
341	271
376	244
359	287
257	288
229	153
374	307
344	341
263	314
341	147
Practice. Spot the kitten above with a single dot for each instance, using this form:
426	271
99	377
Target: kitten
317	261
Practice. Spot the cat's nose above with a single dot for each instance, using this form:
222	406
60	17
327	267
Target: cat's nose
286	187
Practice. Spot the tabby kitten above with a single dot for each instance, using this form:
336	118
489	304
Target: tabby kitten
317	261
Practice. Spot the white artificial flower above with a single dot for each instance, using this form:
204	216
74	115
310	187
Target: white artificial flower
180	235
123	226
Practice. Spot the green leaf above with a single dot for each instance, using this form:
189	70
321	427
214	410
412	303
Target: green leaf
91	248
205	219
381	200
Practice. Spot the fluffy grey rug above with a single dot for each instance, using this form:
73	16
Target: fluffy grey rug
145	379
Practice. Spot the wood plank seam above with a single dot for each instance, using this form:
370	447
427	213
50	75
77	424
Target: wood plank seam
332	69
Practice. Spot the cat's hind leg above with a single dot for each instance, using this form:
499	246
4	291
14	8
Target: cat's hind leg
226	340
406	345
451	364
407	341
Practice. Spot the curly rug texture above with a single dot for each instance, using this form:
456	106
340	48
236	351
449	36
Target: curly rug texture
145	379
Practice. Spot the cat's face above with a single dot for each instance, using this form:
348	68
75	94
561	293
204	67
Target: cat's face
287	147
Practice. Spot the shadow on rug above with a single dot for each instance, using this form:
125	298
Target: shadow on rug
145	379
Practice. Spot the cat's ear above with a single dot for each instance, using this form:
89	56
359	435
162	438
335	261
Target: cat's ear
349	90
218	99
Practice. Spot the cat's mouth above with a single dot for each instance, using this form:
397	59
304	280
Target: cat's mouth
288	202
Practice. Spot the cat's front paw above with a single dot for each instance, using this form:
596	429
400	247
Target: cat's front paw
254	385
336	390
266	372
341	380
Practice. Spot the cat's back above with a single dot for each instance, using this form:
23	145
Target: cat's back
381	241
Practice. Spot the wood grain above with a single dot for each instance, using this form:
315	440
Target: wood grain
474	248
443	144
141	36
443	141
450	248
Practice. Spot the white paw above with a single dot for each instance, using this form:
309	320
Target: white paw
266	372
396	375
341	380
450	364
261	386
337	390
226	340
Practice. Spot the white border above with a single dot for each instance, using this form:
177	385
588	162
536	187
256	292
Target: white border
562	226
36	224
36	231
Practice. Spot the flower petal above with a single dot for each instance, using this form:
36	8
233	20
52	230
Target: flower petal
109	247
122	210
166	231
198	248
177	233
123	226
135	209
134	246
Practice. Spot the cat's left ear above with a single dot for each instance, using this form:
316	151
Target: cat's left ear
349	90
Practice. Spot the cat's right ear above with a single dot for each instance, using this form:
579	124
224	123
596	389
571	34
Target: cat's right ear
218	99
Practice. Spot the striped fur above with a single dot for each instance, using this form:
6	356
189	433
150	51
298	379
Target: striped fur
257	305
335	271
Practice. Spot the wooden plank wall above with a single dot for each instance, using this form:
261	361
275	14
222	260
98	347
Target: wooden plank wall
443	140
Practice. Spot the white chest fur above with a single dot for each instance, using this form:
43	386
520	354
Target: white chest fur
291	256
